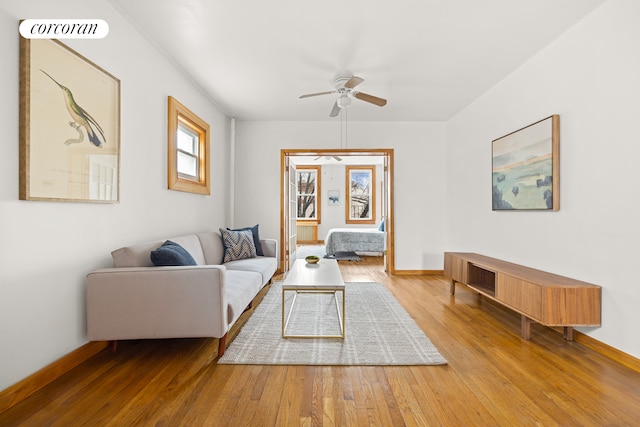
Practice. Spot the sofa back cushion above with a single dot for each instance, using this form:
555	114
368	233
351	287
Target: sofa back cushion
139	255
212	247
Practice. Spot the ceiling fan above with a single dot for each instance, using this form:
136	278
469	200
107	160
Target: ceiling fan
344	86
329	158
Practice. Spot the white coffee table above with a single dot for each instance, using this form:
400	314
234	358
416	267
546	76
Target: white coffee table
321	278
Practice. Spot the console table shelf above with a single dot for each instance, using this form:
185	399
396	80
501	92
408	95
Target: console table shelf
545	298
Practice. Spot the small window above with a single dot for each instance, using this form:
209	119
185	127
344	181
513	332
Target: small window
188	150
308	193
361	195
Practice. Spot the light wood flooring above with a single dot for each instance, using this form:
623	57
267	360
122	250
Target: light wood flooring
493	378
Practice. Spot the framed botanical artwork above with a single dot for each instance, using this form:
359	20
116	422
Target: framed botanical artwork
360	194
69	126
526	168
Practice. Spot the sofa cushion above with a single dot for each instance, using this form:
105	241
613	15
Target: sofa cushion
237	245
256	237
171	253
266	266
212	247
241	287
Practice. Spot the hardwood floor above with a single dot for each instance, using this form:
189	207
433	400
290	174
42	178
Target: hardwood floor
493	378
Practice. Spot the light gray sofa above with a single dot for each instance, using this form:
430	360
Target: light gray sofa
136	300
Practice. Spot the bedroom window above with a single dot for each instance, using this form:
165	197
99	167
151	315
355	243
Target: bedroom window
188	164
308	193
361	194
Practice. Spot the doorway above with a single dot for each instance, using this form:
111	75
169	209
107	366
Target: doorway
288	237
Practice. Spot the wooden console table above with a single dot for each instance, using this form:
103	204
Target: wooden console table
538	296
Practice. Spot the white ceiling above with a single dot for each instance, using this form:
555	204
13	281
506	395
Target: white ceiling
428	58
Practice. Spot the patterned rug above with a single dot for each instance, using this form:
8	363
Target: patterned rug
378	331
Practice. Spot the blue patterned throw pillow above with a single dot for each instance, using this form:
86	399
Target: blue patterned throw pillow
171	253
237	245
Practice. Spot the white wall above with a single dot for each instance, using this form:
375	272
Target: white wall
590	77
419	170
48	248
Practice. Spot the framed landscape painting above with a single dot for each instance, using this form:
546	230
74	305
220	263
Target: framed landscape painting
69	126
334	197
526	168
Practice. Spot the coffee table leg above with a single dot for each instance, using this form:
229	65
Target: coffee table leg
341	318
293	302
340	311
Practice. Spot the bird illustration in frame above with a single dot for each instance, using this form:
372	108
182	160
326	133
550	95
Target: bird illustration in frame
81	119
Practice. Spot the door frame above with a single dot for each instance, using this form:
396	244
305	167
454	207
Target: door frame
388	194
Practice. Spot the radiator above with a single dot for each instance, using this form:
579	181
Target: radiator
306	232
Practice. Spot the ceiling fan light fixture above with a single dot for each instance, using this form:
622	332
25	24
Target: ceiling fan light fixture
344	87
344	101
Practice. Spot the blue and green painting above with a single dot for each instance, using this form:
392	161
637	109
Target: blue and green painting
523	169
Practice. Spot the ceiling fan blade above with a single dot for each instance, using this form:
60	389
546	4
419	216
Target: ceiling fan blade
335	110
370	98
316	94
353	82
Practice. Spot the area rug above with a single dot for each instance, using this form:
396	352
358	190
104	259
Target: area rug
344	256
378	331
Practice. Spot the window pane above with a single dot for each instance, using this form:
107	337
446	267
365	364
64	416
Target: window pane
187	140
306	207
361	193
187	165
306	182
359	208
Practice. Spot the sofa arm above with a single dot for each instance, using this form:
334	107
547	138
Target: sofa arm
156	302
269	247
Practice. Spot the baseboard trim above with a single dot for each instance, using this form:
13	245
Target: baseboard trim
607	351
25	388
418	272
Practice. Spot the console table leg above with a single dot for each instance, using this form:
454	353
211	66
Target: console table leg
452	287
568	333
525	327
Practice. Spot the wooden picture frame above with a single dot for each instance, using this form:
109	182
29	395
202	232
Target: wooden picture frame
360	195
69	126
526	168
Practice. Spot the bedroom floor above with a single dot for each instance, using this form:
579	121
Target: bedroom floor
303	251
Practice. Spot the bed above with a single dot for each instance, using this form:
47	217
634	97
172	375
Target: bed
359	240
